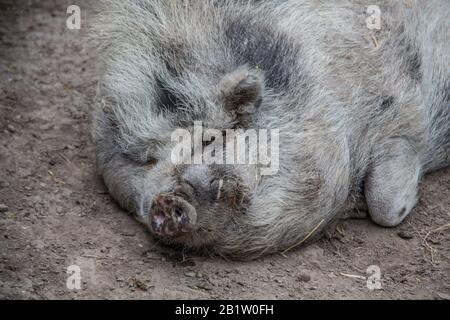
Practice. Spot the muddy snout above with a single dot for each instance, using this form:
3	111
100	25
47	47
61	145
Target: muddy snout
172	216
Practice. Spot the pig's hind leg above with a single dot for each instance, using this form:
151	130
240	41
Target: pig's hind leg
392	181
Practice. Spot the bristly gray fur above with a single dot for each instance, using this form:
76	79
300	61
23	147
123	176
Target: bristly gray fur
354	107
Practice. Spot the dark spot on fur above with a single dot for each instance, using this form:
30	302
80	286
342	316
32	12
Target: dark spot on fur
402	212
172	69
176	57
414	66
168	101
258	45
410	54
386	102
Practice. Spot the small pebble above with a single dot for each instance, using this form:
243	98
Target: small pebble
405	235
3	207
11	128
304	278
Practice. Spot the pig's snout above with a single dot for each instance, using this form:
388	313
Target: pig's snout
171	216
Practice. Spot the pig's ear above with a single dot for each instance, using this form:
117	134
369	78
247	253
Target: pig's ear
241	90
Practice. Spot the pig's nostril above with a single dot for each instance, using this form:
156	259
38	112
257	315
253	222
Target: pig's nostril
178	212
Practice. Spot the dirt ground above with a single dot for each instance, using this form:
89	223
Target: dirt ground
55	212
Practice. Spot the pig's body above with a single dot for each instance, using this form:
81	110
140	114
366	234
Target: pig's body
360	113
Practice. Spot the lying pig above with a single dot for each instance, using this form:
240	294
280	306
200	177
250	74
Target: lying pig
359	114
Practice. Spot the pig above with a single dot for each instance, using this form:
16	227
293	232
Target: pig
362	113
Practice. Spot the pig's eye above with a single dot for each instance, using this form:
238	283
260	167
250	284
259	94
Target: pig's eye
185	189
151	161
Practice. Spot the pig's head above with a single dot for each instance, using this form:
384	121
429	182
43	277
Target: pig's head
202	200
